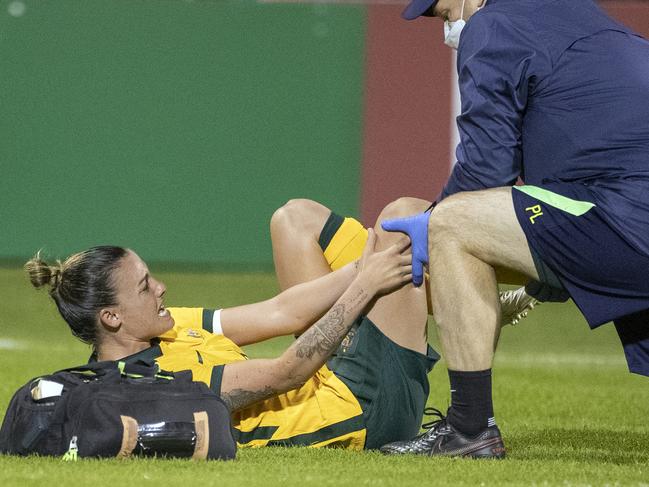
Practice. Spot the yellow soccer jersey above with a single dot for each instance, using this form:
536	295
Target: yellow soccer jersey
323	412
187	346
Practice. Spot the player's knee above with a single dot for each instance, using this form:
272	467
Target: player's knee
399	208
299	216
291	214
402	207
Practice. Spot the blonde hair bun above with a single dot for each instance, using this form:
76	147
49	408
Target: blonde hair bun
42	274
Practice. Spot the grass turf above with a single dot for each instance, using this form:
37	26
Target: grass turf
570	412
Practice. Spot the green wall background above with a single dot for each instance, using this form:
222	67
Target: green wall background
174	127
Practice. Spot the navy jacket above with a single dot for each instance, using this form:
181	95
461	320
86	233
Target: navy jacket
556	90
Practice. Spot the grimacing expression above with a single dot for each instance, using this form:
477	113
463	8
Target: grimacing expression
140	304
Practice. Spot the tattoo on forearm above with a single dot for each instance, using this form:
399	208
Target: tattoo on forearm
358	297
325	335
240	398
321	337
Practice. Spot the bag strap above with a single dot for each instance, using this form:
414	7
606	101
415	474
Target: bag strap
141	369
91	369
137	369
110	372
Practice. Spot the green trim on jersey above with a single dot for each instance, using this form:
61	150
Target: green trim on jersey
216	379
323	434
208	317
306	439
147	355
574	207
260	433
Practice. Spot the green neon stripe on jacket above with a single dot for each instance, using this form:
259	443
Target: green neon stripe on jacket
574	207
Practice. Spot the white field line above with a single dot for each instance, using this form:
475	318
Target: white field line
14	344
560	359
11	344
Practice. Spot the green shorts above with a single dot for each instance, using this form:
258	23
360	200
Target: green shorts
389	381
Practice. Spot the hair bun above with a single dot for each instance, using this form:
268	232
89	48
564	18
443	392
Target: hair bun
56	274
42	274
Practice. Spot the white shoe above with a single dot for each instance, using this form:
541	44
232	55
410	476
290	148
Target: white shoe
515	305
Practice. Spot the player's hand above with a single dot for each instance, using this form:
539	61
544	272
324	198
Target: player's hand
416	227
384	271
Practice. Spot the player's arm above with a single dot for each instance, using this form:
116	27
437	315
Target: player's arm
288	313
247	382
495	89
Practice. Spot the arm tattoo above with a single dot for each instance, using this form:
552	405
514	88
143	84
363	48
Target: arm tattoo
325	335
317	343
240	398
321	337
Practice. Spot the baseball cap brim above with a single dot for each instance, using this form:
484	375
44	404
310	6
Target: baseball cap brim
416	8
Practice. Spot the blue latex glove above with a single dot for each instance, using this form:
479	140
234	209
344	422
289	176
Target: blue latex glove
416	227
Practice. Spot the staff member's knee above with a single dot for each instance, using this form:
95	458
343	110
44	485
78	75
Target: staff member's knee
449	222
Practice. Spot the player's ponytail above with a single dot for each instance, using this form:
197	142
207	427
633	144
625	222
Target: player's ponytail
80	286
42	274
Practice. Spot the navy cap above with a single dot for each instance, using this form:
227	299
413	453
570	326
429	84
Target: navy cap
417	8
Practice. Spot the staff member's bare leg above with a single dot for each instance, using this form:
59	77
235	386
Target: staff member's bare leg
295	229
471	237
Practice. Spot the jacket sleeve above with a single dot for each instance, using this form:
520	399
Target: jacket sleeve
497	62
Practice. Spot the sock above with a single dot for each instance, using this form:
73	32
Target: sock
471	408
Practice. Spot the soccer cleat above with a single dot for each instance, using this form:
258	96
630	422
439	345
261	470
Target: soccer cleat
515	305
444	440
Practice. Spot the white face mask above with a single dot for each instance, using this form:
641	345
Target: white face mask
452	30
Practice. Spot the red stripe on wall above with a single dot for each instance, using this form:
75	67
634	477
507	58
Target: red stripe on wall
634	13
407	110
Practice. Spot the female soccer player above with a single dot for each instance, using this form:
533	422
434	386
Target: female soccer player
372	390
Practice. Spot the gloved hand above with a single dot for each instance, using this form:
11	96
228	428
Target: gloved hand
416	227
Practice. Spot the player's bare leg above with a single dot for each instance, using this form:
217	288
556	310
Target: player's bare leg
294	232
403	315
295	229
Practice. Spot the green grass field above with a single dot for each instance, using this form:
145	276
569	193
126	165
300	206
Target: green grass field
570	412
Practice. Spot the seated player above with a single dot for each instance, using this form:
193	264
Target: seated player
373	388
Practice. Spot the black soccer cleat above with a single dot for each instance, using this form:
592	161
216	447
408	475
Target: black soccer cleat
444	440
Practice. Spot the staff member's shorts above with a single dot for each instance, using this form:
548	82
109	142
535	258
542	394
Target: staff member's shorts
574	247
389	381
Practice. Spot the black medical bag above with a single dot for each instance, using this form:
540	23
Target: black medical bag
117	409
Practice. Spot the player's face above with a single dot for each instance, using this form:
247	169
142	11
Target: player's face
140	300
